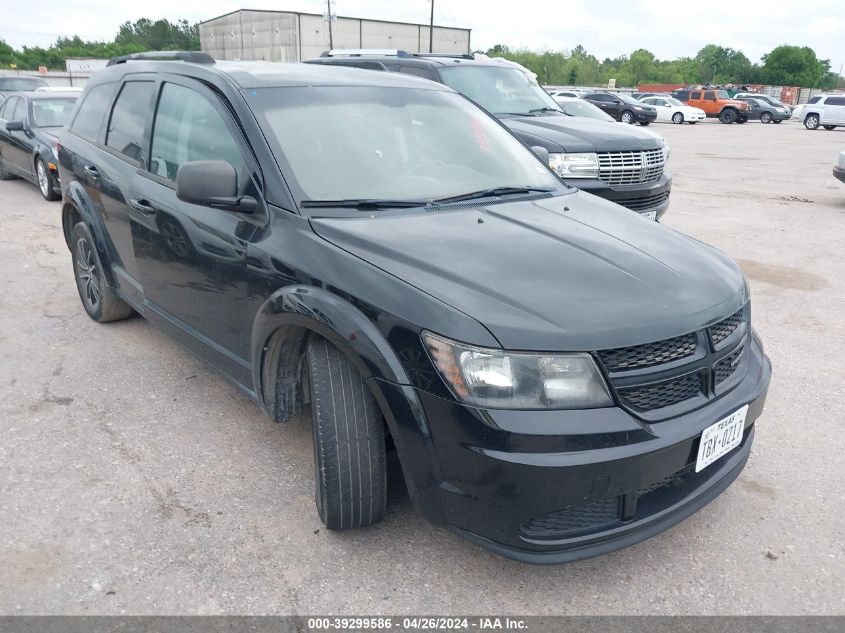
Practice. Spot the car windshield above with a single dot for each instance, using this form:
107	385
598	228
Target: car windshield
499	89
628	99
20	84
579	107
391	143
673	101
721	94
51	112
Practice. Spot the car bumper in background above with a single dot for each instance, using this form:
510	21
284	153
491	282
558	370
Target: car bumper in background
839	173
652	197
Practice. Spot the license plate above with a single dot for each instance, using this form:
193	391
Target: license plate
650	215
720	438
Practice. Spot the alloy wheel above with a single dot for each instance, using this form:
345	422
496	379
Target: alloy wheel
43	179
87	274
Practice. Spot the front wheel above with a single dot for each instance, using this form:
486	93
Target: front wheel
829	127
727	116
349	441
766	117
46	182
811	122
627	117
678	118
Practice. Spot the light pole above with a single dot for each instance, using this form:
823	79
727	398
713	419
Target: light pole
431	30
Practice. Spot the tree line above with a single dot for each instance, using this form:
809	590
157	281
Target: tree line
132	37
783	66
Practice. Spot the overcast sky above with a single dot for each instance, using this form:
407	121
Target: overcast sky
605	28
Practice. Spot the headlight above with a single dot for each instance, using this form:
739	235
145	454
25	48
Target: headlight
496	379
575	165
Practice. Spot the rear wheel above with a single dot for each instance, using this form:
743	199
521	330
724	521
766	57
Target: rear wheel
766	117
46	182
100	302
678	118
811	122
829	127
349	441
627	117
727	116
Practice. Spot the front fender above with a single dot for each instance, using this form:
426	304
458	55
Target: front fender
297	308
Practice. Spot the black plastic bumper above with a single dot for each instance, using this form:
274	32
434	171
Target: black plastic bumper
487	474
839	173
643	198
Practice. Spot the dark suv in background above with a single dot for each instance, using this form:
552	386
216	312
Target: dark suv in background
618	163
558	376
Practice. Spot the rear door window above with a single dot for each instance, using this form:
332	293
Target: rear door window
89	118
835	101
128	117
695	95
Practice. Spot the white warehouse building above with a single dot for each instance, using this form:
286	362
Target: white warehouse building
287	36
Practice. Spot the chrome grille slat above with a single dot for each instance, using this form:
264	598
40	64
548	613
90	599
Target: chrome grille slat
631	167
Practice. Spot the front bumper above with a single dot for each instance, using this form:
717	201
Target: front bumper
839	173
642	198
645	117
496	473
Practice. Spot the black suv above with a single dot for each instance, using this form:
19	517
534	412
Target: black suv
623	108
620	164
558	376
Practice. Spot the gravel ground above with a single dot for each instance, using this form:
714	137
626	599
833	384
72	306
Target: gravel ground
135	480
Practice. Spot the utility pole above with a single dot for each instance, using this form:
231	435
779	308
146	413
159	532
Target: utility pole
329	20
431	30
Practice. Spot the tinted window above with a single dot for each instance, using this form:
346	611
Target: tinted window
20	111
187	127
51	112
416	71
600	97
695	95
21	83
126	127
8	108
835	101
89	118
814	99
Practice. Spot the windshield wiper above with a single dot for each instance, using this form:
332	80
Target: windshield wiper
544	109
495	191
364	203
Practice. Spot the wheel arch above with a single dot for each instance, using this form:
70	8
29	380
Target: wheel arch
76	208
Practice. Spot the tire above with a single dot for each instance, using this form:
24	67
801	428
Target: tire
4	174
777	121
678	118
829	127
742	119
727	116
811	122
100	302
644	123
46	182
693	122
349	441
627	117
766	117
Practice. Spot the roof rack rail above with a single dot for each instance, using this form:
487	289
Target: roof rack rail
452	55
196	57
363	52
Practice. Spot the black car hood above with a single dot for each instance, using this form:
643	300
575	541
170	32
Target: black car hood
562	133
573	272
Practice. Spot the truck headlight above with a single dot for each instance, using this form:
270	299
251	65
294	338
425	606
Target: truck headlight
575	165
496	379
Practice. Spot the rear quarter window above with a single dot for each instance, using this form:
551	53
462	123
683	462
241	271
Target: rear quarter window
88	121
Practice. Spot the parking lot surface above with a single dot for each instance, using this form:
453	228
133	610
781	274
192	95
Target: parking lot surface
135	480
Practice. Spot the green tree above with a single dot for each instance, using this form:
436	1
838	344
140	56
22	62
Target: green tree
719	64
796	66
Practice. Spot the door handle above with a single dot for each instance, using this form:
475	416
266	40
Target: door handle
92	172
142	206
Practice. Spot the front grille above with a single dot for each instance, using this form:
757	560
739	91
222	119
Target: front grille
656	353
645	202
724	328
573	520
631	167
727	366
663	394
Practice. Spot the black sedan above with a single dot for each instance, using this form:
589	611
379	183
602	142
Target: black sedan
29	123
764	111
623	107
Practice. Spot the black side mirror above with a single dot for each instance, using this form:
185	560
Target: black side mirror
542	152
14	126
212	183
